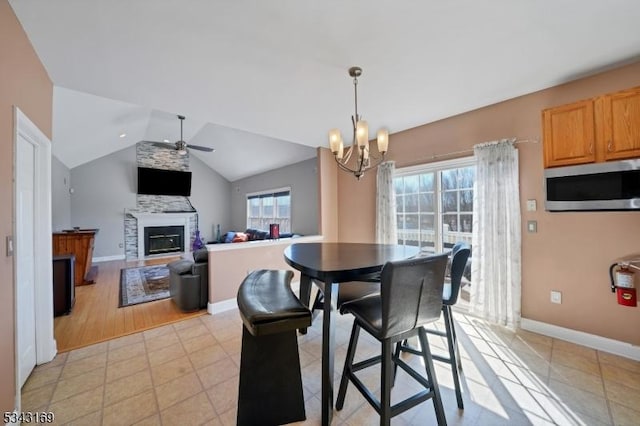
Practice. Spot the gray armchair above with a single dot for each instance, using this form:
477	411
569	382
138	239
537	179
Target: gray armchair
189	281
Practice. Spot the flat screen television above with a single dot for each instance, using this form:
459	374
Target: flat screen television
163	182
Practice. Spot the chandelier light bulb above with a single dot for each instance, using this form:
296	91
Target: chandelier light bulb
335	140
383	140
362	133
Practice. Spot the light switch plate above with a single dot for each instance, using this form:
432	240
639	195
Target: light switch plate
556	296
532	226
531	205
9	241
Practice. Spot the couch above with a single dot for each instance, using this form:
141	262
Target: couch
251	235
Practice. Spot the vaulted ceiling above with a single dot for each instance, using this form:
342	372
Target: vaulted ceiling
263	81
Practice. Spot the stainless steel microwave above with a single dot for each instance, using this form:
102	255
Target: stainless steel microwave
612	185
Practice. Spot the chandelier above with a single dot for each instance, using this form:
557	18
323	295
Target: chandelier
359	149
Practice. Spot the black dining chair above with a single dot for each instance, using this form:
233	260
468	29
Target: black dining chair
410	297
351	290
459	257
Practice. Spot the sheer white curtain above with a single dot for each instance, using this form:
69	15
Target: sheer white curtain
495	271
386	227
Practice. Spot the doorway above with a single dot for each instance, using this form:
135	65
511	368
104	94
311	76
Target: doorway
34	340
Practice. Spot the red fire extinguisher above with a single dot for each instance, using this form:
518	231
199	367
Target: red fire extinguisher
623	285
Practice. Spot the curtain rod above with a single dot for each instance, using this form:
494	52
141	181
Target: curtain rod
469	151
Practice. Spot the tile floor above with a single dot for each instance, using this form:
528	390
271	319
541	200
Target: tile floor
187	374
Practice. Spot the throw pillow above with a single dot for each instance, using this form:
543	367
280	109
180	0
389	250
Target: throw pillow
240	237
229	237
251	234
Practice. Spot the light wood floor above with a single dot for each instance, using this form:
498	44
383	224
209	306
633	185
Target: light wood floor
96	317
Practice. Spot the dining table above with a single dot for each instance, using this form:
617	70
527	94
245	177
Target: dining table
337	264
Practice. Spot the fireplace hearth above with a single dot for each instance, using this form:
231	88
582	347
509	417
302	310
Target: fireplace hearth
163	239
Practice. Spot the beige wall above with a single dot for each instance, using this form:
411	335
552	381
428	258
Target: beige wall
328	195
571	251
230	263
24	83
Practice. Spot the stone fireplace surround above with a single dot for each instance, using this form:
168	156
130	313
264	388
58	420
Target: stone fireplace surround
163	219
158	210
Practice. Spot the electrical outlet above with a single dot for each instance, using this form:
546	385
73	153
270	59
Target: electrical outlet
556	297
532	226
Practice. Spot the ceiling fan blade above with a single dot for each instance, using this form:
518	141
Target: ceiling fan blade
200	148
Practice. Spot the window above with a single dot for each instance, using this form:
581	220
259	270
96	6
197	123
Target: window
265	208
434	204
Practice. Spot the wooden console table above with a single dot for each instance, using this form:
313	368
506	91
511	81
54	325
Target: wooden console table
79	243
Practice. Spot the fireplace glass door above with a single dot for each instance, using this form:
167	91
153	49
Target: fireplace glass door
163	239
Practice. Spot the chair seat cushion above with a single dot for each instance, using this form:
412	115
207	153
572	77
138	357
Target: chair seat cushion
367	311
180	267
352	290
267	305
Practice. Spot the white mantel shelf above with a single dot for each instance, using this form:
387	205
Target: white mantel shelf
161	216
145	219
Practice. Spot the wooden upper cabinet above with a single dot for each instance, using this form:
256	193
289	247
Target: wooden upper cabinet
595	130
569	134
621	124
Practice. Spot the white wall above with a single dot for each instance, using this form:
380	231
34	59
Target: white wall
211	197
60	197
102	190
302	177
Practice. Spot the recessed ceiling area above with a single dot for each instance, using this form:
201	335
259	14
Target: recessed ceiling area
270	78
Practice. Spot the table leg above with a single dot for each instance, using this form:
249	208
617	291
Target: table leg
305	295
328	348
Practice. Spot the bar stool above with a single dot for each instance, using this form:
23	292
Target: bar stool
459	256
351	290
270	388
410	297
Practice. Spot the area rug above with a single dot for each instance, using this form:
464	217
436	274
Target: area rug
143	284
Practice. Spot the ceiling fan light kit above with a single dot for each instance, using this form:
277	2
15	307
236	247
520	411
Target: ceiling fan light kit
181	146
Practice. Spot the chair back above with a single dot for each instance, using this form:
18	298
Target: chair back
411	293
459	256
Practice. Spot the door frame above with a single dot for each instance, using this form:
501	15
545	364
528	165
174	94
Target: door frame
45	341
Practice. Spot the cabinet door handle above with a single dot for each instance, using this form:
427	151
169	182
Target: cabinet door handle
609	146
591	148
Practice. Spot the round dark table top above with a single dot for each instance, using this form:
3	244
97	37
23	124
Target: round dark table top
340	262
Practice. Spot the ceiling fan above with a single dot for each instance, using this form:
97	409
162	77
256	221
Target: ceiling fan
180	145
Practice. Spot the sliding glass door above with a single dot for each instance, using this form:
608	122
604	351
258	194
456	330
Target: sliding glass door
434	204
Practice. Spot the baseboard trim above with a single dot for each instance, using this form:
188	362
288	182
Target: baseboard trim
222	306
108	258
600	343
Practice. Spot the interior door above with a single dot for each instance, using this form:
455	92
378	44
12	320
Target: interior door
24	254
